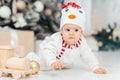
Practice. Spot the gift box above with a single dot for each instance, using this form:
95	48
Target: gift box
5	53
18	38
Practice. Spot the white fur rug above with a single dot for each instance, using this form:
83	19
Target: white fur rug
109	60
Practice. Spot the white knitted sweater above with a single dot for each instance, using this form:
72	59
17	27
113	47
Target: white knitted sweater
51	47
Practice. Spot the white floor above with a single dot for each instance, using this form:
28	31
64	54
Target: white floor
109	60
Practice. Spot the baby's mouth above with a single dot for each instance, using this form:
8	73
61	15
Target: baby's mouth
71	37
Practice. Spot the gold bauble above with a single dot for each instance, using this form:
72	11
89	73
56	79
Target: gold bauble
35	67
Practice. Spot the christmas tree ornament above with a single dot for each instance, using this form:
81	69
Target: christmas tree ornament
21	5
5	12
38	6
20	20
35	67
110	37
100	44
14	7
116	33
48	12
29	6
57	15
108	29
32	16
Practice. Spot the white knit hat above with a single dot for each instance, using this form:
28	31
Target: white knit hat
72	14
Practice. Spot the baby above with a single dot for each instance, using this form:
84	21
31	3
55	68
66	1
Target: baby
61	49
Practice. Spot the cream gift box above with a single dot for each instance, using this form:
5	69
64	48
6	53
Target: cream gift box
18	37
5	53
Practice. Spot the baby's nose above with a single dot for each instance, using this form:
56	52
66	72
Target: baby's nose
71	33
71	16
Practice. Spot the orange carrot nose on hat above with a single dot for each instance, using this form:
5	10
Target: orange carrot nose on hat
72	14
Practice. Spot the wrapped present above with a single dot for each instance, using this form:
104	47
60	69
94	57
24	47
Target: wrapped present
5	53
18	38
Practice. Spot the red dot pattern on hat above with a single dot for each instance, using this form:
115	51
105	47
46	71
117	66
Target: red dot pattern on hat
70	4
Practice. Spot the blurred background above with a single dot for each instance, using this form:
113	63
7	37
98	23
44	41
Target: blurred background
43	18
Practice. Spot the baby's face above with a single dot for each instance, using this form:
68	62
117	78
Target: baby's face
71	33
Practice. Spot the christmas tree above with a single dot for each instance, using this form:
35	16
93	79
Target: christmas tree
106	38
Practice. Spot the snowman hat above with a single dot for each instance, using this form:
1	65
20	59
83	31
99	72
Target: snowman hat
72	14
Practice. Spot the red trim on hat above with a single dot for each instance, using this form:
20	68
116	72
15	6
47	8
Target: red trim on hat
74	5
64	6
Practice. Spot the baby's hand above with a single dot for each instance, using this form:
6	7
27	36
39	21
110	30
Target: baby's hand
100	71
57	65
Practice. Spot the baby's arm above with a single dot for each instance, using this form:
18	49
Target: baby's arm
88	56
100	71
48	50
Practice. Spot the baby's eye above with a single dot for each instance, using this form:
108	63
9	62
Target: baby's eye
67	29
66	10
76	30
80	11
